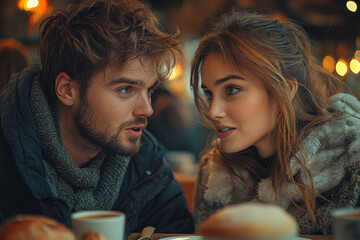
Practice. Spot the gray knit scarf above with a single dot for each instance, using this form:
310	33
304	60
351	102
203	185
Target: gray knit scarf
94	186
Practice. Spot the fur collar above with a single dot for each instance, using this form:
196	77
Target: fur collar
329	150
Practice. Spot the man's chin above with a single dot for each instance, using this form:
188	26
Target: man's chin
130	149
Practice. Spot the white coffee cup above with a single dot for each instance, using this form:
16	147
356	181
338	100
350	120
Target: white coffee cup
346	225
111	224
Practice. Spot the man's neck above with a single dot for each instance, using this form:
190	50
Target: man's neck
78	148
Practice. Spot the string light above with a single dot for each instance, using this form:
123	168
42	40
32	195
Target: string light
355	66
341	67
351	6
357	55
329	63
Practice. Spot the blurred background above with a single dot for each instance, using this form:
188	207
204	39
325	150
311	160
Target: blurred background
333	26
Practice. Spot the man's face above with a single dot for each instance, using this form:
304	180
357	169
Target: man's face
114	109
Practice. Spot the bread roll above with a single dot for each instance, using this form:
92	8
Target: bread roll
32	227
250	221
91	235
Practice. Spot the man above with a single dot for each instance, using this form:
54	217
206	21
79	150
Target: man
72	130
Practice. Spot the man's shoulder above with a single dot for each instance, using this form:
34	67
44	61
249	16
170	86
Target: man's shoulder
27	74
19	84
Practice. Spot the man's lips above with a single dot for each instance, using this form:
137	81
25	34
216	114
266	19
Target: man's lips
135	130
224	131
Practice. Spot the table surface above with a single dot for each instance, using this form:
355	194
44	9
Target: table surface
157	236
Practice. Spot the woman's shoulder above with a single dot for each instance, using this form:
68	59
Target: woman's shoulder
211	157
211	166
340	130
345	103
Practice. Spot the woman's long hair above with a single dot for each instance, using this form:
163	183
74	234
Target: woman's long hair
275	53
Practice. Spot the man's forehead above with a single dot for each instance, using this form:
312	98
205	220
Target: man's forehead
136	69
136	62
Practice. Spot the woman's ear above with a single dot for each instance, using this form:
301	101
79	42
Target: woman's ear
65	89
293	85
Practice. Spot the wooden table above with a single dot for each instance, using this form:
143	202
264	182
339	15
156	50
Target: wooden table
157	236
187	183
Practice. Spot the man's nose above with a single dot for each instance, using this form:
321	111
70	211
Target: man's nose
143	107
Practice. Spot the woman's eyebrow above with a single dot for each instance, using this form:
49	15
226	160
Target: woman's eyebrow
224	79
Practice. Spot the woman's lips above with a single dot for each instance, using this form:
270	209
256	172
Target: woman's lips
224	134
224	131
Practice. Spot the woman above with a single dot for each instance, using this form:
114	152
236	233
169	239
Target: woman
286	133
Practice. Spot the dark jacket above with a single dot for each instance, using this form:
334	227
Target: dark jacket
149	196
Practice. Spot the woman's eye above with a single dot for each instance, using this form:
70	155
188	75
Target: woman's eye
231	90
208	96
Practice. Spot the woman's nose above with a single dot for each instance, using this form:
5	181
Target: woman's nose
216	109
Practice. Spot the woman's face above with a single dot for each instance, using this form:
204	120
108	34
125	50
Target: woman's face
239	107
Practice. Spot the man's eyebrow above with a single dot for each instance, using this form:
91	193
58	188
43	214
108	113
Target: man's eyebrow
133	82
126	80
155	85
227	78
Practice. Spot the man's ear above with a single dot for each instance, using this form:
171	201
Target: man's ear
293	85
65	89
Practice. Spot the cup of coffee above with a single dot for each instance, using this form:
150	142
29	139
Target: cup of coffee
346	225
110	224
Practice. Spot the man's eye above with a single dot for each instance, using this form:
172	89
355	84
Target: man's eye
125	90
150	91
231	90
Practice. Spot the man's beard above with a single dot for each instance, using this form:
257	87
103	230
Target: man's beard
98	132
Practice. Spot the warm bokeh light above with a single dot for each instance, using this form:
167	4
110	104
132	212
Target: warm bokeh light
32	3
37	9
342	49
28	5
351	5
355	66
329	63
341	67
280	17
176	72
357	55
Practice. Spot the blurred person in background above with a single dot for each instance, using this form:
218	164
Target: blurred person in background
175	126
288	131
14	56
73	132
167	123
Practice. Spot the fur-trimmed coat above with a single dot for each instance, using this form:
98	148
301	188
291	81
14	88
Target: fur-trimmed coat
332	151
